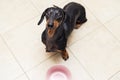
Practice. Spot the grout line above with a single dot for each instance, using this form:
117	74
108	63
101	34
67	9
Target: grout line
34	67
19	76
103	23
24	72
96	16
40	63
92	30
96	29
91	12
112	34
82	65
84	36
14	57
19	25
34	6
113	18
113	75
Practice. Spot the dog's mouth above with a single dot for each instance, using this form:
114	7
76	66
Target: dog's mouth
51	27
51	32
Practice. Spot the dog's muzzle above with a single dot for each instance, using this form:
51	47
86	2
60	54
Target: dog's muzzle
50	25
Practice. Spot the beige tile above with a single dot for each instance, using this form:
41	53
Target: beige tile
78	1
104	10
85	29
116	76
41	5
99	52
15	12
23	77
113	26
9	69
72	64
25	42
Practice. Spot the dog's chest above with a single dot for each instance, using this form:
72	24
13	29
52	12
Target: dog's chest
51	45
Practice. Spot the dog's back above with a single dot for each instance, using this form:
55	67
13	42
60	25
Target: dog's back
75	11
76	15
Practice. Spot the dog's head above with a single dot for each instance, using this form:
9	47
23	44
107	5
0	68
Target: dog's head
54	17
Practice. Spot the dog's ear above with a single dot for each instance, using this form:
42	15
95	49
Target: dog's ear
42	17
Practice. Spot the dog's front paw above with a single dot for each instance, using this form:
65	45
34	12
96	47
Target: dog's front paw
65	55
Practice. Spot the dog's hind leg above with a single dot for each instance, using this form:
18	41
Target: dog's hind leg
81	19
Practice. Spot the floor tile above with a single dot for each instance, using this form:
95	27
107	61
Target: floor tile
15	12
72	64
42	5
113	26
94	51
78	1
23	77
84	29
104	10
115	76
25	42
99	52
9	69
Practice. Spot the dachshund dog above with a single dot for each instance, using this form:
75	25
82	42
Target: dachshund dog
59	24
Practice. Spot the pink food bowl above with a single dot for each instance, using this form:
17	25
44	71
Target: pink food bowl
58	72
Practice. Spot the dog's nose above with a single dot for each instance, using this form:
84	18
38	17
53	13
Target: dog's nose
50	25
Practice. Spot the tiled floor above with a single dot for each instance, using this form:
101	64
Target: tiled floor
94	48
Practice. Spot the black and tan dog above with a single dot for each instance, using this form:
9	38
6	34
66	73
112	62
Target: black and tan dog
60	23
